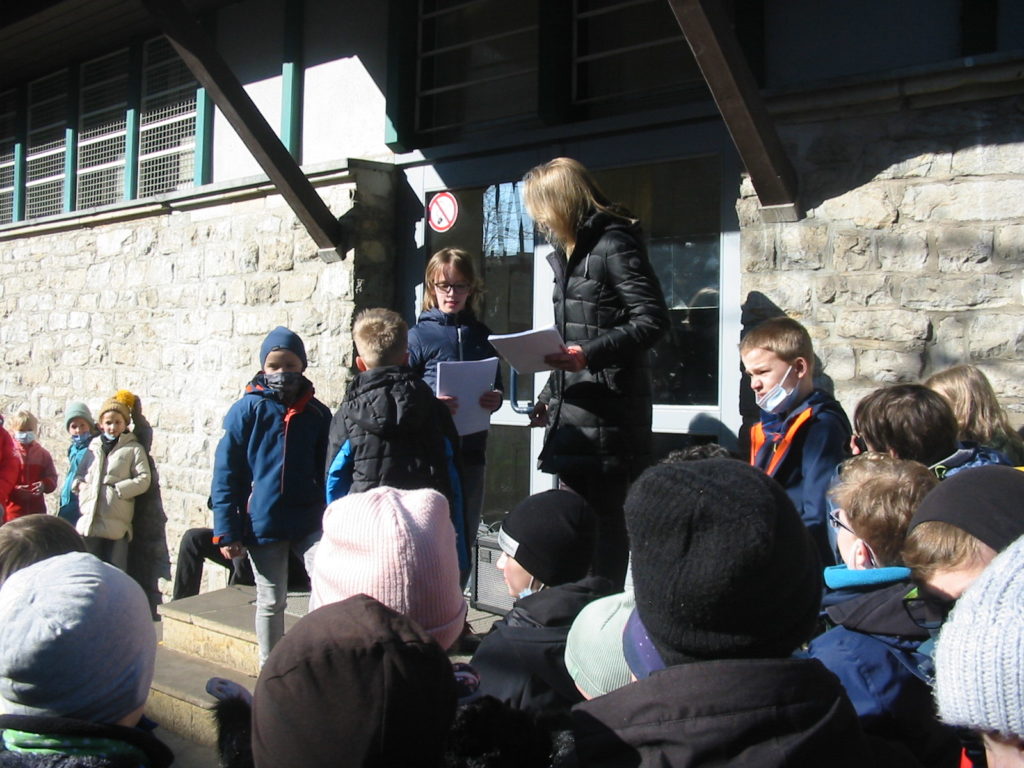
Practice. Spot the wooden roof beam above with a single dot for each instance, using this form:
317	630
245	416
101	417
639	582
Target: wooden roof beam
198	52
709	33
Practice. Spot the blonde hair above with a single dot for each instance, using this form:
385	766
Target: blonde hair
459	260
560	195
381	337
24	421
979	416
935	545
784	337
879	495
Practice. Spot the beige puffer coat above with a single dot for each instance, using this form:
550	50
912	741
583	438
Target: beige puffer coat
111	483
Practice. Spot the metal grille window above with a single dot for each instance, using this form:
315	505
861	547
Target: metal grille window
8	142
628	51
103	105
47	111
168	121
477	64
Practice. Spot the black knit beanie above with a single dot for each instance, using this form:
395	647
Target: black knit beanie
986	502
722	564
551	534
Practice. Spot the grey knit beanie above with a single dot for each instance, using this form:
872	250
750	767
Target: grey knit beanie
76	640
78	411
979	658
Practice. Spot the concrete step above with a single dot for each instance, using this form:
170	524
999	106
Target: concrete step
219	626
178	700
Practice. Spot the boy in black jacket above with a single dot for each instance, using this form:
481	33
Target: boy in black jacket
390	429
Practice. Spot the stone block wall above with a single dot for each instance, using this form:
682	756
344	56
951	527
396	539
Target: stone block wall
173	306
910	256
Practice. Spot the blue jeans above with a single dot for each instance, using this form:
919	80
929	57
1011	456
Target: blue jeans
270	567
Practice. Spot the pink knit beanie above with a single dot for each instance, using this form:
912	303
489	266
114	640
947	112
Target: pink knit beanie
398	547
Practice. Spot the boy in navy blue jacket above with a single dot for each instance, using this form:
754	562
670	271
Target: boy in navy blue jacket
390	429
268	484
803	433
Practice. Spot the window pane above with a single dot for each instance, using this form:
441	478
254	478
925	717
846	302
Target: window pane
103	102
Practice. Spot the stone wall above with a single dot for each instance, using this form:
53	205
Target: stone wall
173	306
910	256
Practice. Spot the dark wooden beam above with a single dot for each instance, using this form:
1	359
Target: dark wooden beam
709	33
198	52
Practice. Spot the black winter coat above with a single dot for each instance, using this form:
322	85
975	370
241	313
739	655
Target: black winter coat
759	713
609	302
522	660
394	432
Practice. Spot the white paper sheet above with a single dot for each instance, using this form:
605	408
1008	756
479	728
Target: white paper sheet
525	351
467	380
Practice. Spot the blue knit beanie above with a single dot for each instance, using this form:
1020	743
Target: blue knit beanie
282	338
78	411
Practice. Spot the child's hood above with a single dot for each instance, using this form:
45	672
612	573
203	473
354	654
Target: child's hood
385	402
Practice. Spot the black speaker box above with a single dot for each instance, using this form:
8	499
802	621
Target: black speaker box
490	593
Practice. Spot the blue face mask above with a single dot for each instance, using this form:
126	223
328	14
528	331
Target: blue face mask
25	437
778	399
108	439
81	440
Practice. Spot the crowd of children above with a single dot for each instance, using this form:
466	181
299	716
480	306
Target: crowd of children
805	605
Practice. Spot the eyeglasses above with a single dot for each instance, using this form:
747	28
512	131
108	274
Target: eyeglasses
926	611
453	287
833	518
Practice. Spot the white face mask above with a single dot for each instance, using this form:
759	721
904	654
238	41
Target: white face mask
776	399
25	437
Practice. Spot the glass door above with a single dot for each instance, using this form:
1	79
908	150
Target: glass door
679	205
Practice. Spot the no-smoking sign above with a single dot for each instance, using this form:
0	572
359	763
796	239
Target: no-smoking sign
442	211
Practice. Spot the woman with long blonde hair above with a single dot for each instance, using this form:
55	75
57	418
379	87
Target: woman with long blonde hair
610	311
979	415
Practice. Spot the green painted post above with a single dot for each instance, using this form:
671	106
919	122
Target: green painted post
71	143
292	79
132	123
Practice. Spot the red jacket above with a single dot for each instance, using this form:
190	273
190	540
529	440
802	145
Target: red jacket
34	465
10	464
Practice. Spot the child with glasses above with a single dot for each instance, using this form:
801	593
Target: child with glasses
873	645
448	329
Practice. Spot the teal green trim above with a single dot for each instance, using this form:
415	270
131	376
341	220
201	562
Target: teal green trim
71	143
204	138
292	79
20	156
132	123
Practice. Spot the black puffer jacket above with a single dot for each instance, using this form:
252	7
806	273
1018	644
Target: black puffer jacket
609	302
392	430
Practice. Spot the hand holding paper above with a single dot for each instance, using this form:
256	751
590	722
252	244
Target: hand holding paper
465	382
526	351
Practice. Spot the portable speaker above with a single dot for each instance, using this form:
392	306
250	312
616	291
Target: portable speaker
490	593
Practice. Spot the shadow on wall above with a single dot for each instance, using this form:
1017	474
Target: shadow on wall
835	156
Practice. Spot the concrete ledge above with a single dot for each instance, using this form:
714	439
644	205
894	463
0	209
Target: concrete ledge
178	700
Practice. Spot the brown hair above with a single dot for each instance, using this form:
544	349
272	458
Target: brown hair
909	421
381	337
459	260
783	336
29	539
978	413
560	195
879	495
23	421
937	546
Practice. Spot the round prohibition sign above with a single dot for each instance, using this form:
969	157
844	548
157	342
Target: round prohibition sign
442	211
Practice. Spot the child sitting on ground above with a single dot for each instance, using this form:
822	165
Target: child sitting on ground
37	476
803	433
268	482
979	415
546	543
390	428
82	429
115	472
872	647
910	421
